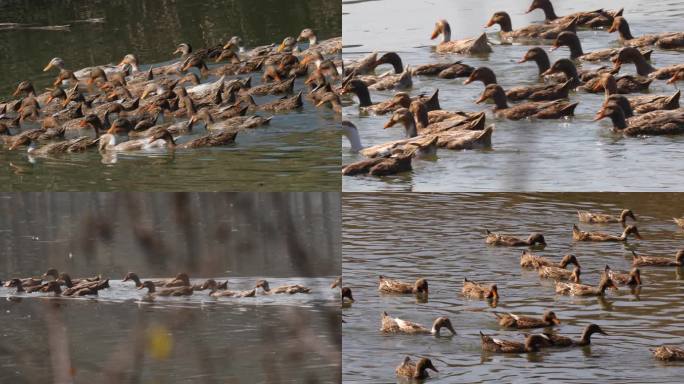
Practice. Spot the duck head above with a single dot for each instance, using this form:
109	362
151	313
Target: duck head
421	286
550	317
347	294
442	322
422	366
501	18
56	62
263	284
184	49
441	28
132	276
149	285
308	34
483	74
493	293
620	25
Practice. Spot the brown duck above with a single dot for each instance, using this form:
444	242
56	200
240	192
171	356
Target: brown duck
418	370
579	235
668	353
474	46
575	289
175	291
534	31
540	110
474	290
602	218
390	324
532	261
651	123
570	40
532	344
289	289
590	19
631	278
640	104
510	320
493	238
643	68
555	340
655	261
395	286
668	40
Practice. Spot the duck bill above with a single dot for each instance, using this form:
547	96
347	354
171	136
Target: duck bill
556	321
481	100
47	67
549	71
434	34
530	9
617	63
16	93
612	28
523	60
281	47
554	47
600	115
597	87
489	23
178	50
388	124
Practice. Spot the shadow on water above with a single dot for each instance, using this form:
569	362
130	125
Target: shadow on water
117	337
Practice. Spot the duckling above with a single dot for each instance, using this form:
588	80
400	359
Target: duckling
540	110
493	238
602	218
631	278
591	19
640	261
476	290
510	320
534	31
420	287
668	353
215	292
473	46
575	289
290	289
417	370
560	274
529	260
564	341
531	344
396	325
668	40
579	235
175	291
643	68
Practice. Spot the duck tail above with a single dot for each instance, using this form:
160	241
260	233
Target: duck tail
673	101
619	12
432	104
569	110
485	137
487	232
498	316
478	123
647	54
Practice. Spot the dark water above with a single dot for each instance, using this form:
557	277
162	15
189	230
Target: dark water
298	151
440	237
544	155
120	337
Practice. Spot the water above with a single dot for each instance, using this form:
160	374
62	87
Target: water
440	237
570	155
122	337
298	151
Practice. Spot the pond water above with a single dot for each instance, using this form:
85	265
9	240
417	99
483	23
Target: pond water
120	336
576	154
441	237
298	151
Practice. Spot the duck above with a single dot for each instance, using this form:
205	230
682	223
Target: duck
474	290
541	59
450	70
185	290
679	221
559	274
640	104
656	261
65	75
532	261
643	68
210	282
418	370
213	139
631	278
86	289
215	292
579	235
15	283
108	142
51	286
668	353
61	278
540	110
576	289
621	85
363	66
396	325
668	40
420	287
78	144
534	31
290	289
493	238
346	295
281	87
490	344
132	276
652	123
382	166
473	46
570	40
677	76
564	341
25	282
590	19
511	320
360	89
326	47
602	218
284	104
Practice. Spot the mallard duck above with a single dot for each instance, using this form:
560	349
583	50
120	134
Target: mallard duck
531	344
108	142
540	110
591	19
395	286
575	289
579	235
534	31
65	75
640	104
530	260
25	282
472	46
493	238
560	274
474	290
679	221
602	218
643	68
570	40
52	286
631	278
208	283
483	74
284	86
413	370
642	261
668	40
290	289
668	353
78	144
215	292
175	291
326	47
15	283
510	320
396	325
564	341
651	123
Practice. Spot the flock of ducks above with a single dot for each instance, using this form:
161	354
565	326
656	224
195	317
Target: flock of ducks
428	127
61	284
567	282
126	108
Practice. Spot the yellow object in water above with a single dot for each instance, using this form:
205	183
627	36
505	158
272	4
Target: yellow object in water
160	342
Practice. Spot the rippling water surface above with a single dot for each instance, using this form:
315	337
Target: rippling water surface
440	237
545	155
297	151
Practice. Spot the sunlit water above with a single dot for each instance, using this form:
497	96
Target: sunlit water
297	151
576	154
440	237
